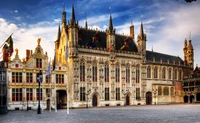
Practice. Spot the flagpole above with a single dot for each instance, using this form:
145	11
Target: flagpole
55	91
50	92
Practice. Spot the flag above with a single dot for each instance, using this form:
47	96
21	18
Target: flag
126	43
48	69
9	41
110	48
66	53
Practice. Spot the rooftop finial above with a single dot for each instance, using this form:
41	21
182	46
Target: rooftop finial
190	38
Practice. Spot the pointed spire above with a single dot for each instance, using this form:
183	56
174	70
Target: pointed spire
141	31
86	25
59	33
190	47
185	43
110	26
73	14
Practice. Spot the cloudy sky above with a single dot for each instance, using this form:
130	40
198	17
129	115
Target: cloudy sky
166	22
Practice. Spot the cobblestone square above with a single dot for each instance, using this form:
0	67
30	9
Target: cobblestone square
183	113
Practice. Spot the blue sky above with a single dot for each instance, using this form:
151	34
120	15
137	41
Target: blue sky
166	22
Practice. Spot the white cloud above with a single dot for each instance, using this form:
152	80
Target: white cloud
169	37
17	18
26	37
16	11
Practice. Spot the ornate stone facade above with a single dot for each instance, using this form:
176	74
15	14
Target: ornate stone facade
98	68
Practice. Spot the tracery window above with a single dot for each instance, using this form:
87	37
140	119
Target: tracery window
82	71
106	72
155	72
127	74
159	90
94	72
137	74
163	73
170	73
166	91
117	73
148	72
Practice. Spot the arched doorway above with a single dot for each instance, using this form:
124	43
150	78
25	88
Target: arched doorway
94	100
127	100
185	99
48	104
61	99
148	98
198	97
191	99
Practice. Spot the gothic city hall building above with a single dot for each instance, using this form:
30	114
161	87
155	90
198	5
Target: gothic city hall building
97	68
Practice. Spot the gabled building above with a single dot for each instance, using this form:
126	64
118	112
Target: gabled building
98	68
191	87
108	69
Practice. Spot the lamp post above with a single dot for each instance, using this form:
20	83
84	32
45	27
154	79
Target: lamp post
40	79
27	99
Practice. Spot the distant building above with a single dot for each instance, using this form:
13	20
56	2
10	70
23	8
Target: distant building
191	87
98	68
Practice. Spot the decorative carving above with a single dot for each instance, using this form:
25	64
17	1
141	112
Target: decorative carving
38	41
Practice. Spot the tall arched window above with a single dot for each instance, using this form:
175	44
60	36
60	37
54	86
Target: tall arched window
148	72
137	74
106	72
180	74
172	91
159	90
94	72
166	91
175	74
163	73
156	72
117	73
170	73
82	71
127	74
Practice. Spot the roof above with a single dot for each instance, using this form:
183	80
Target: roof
150	55
99	38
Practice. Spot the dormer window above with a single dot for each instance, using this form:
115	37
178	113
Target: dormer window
38	63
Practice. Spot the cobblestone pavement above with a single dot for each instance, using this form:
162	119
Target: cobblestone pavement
183	113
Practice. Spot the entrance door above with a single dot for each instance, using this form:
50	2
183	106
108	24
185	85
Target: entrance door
94	101
127	100
61	99
48	104
185	99
148	98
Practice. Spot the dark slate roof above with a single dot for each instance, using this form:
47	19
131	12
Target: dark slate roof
158	56
86	35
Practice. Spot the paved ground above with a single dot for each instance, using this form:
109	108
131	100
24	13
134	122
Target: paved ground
185	113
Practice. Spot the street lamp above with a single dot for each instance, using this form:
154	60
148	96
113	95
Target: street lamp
27	99
40	79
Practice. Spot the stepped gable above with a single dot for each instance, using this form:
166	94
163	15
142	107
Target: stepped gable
99	38
158	56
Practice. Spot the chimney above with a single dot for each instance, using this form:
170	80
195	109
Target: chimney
27	54
132	31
